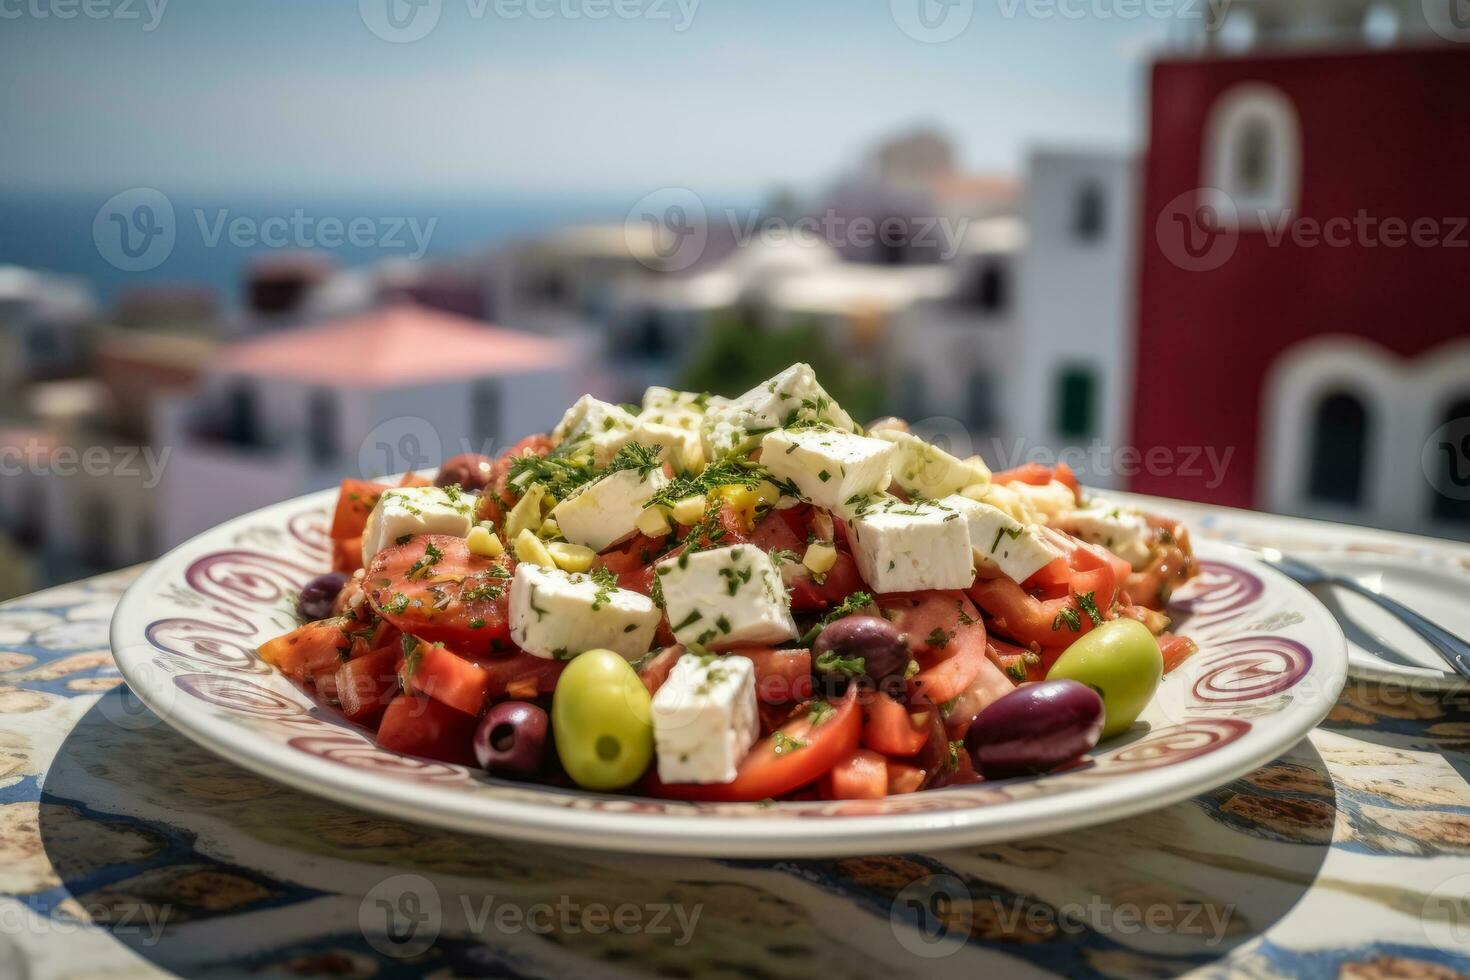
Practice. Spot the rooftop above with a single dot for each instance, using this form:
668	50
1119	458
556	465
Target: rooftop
395	345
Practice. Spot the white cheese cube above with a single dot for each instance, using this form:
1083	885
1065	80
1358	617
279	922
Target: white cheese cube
705	718
680	446
829	467
1048	500
416	510
725	597
925	470
1123	531
604	512
593	426
683	404
557	615
906	547
791	396
1000	541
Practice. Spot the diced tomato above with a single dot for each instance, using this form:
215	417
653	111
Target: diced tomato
458	599
417	725
989	685
781	676
366	684
522	675
355	501
795	754
773	533
347	554
412	479
891	730
448	678
537	445
1017	663
1176	649
946	637
655	670
863	775
307	650
841	581
1038	475
903	778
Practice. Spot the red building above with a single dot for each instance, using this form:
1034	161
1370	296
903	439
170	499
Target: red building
1304	293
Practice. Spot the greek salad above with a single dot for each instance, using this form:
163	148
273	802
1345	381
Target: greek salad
739	599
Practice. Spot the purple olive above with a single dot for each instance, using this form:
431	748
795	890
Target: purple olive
470	471
319	595
873	640
511	739
1035	728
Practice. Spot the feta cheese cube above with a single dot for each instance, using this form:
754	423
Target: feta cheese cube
793	395
593	426
557	615
416	510
906	547
925	470
1000	541
1123	531
726	597
705	718
606	511
671	403
680	446
829	467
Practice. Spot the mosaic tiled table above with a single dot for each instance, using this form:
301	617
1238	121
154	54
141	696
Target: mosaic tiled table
127	851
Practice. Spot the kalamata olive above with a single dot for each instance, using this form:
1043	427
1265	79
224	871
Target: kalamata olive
317	597
511	739
470	470
872	639
1035	729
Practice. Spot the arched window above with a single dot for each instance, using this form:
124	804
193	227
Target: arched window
988	288
321	425
1252	156
651	340
1075	413
1338	454
1089	212
242	427
1454	473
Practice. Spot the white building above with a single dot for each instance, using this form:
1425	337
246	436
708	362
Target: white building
44	322
393	389
1071	381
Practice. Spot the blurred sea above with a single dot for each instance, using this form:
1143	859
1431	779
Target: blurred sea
54	231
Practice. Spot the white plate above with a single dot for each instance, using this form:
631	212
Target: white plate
1380	647
1271	664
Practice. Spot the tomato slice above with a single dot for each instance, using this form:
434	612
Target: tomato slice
448	678
308	650
355	501
795	754
946	637
456	598
1038	475
890	728
366	684
989	685
1176	649
522	675
863	775
417	725
781	676
904	778
841	581
656	669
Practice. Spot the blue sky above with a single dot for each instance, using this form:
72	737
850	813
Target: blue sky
299	95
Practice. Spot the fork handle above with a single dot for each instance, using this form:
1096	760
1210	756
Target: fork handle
1454	650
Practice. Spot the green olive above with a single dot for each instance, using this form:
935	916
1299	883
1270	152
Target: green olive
1121	661
601	715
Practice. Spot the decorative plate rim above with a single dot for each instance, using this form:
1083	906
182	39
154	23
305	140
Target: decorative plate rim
1084	796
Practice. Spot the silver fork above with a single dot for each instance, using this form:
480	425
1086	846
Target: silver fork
1455	651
